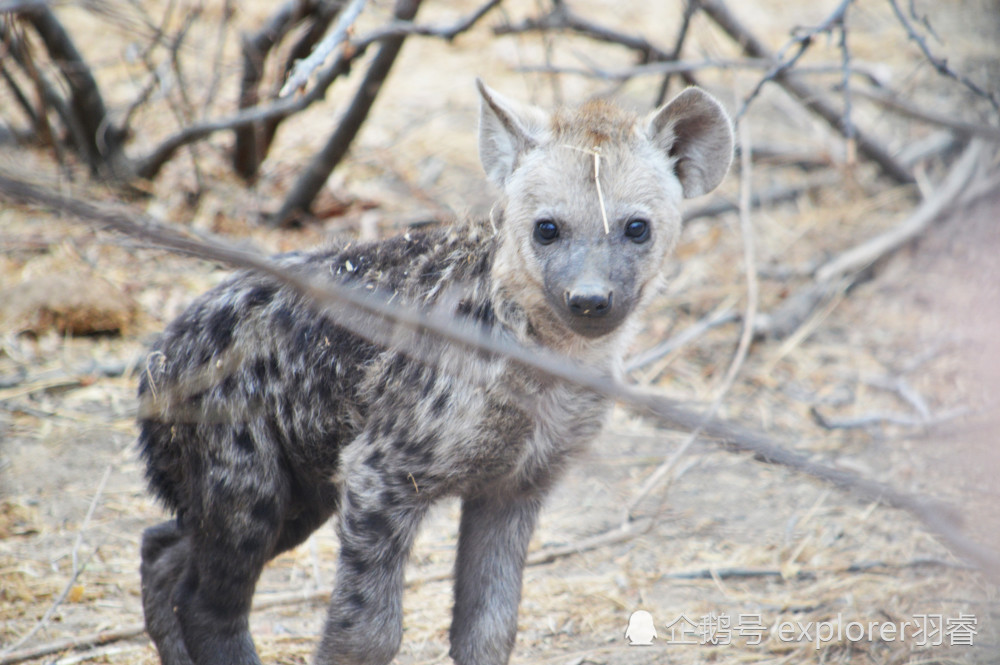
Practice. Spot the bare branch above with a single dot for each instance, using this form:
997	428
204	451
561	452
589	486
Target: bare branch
770	196
811	99
305	68
103	637
881	418
339	301
645	358
961	127
848	123
247	150
940	64
45	92
102	140
19	96
300	198
802	44
690	7
647	69
563	18
150	165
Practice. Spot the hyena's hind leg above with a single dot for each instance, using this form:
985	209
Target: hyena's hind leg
176	582
165	553
199	573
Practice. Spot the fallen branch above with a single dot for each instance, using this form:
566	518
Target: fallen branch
880	418
666	347
853	569
953	189
540	557
68	644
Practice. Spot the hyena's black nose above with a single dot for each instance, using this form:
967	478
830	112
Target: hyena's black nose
589	302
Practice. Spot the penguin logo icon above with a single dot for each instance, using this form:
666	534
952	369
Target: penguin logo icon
640	632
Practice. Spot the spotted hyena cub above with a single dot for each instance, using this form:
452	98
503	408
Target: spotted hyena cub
262	418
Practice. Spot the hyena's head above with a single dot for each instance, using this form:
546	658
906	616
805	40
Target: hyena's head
591	202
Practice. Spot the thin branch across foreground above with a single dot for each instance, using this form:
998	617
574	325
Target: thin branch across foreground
356	308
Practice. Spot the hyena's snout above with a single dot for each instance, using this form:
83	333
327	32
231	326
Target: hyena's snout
591	299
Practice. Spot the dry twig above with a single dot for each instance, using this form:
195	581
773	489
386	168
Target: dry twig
746	336
77	569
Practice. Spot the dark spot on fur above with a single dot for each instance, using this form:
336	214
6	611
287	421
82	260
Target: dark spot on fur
389	498
244	441
220	327
260	296
388	425
416	446
354	560
374	459
284	319
259	371
439	404
228	386
265	370
376	523
356	600
429	384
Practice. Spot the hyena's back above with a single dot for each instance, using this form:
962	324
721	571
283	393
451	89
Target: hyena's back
250	396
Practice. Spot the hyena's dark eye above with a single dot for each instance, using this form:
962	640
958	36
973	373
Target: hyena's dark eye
546	231
637	230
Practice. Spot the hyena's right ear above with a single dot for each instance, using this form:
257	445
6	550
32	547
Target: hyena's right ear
507	130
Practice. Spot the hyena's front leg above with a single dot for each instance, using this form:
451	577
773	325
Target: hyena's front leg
492	544
378	522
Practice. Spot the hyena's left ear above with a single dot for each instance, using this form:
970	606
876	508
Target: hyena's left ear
507	130
696	133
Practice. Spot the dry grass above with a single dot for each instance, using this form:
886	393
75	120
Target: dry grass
818	554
